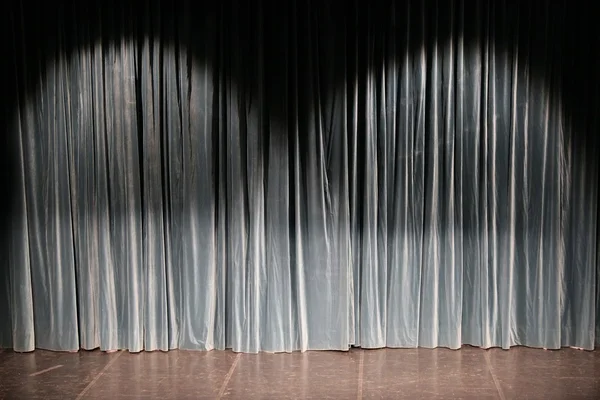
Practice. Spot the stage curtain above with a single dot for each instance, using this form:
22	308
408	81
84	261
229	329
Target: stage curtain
300	175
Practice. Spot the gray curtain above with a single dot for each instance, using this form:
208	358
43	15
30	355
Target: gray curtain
315	176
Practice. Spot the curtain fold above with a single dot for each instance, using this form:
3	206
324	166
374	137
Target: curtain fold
315	176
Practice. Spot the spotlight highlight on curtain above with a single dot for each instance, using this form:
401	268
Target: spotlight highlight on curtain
310	176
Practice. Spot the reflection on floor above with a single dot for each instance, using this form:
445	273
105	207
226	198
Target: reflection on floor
469	373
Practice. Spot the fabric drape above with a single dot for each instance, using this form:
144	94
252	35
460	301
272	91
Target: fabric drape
309	176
